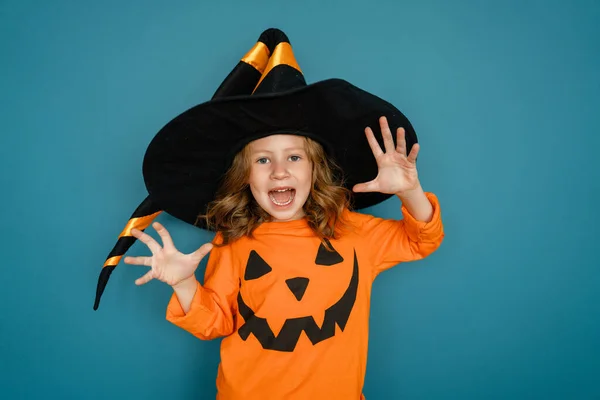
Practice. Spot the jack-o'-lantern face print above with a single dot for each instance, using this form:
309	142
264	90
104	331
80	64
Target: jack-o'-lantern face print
338	312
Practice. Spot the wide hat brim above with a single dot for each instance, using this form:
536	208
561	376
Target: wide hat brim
187	159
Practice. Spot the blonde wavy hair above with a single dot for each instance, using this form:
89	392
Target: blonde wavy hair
234	212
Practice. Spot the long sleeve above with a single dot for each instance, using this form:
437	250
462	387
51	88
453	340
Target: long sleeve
212	311
390	242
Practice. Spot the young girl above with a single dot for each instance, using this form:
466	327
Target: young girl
289	275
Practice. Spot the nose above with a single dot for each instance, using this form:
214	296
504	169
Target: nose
279	171
297	286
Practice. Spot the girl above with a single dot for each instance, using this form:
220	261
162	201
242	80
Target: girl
265	355
290	270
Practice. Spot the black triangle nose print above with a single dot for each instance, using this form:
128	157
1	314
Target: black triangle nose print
326	257
256	267
297	286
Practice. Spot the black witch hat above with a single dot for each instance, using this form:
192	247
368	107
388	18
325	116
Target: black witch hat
264	94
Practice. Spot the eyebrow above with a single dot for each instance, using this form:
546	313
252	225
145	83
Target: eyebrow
285	150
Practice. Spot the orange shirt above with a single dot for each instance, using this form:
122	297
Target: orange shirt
295	316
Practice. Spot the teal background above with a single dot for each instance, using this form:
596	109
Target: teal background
505	97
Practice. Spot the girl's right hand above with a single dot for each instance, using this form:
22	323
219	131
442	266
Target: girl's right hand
168	264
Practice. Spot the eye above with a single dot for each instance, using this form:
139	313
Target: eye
327	257
262	160
295	158
256	267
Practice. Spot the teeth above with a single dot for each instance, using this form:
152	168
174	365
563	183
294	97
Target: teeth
284	203
281	204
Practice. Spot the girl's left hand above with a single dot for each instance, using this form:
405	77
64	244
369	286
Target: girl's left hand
397	171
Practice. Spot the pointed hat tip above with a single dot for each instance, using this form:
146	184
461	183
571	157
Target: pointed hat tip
272	37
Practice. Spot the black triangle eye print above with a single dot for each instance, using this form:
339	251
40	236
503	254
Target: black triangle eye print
287	339
326	257
256	267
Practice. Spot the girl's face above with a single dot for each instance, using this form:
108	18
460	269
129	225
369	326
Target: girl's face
280	175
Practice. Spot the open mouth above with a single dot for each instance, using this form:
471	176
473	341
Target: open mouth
282	196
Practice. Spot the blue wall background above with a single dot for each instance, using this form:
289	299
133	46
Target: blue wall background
505	99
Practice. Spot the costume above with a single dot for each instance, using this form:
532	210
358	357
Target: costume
296	315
